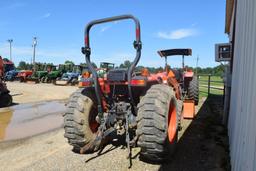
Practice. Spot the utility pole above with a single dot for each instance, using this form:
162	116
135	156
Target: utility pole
197	59
34	52
10	42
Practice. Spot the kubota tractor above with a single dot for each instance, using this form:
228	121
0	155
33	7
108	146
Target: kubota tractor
183	81
24	74
141	109
5	97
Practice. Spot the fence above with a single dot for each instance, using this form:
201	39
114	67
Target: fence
210	84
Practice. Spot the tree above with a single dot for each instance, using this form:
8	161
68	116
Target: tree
85	65
94	65
69	62
22	65
126	64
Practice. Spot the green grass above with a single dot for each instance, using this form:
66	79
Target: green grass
203	80
213	78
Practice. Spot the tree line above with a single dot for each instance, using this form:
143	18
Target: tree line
218	70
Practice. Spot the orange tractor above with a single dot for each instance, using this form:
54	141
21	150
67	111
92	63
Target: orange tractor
5	97
24	75
141	108
184	81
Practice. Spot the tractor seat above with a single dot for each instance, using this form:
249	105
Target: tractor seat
178	74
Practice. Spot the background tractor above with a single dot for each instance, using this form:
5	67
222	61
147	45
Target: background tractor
9	70
85	77
38	75
186	79
70	77
24	74
11	75
142	109
104	68
57	72
5	97
8	65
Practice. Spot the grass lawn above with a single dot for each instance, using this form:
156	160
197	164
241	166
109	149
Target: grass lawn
203	81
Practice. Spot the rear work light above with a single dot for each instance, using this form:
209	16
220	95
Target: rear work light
138	82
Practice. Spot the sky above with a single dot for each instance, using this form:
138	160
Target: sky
59	26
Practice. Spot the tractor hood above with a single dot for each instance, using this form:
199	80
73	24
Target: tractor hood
54	73
12	72
41	73
70	75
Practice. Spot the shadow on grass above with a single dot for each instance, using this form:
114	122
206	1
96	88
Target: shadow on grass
204	144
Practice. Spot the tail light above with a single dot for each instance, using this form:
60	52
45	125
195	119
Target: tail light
85	83
138	82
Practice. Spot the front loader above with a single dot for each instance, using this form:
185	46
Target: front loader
138	108
71	77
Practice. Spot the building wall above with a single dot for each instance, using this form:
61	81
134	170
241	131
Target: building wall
242	116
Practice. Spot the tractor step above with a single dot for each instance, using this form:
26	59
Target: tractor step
188	109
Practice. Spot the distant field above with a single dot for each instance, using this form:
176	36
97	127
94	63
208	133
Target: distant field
203	81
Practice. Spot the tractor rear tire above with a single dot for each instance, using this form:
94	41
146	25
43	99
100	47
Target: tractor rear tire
5	100
79	120
193	90
153	123
22	79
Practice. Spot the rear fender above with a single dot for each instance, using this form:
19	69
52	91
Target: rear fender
188	74
139	81
92	89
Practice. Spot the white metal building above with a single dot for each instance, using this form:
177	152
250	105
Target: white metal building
241	28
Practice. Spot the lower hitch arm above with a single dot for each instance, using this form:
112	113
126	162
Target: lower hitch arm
100	139
128	138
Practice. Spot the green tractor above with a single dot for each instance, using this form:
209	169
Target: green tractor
56	73
41	70
104	68
71	78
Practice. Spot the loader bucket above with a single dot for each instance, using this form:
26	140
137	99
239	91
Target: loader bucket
32	80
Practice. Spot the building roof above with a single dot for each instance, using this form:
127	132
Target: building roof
229	11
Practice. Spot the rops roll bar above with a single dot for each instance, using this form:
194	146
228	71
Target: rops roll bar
87	51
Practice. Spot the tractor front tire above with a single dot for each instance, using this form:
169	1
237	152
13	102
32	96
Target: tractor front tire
79	120
22	79
193	90
156	111
42	79
46	80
